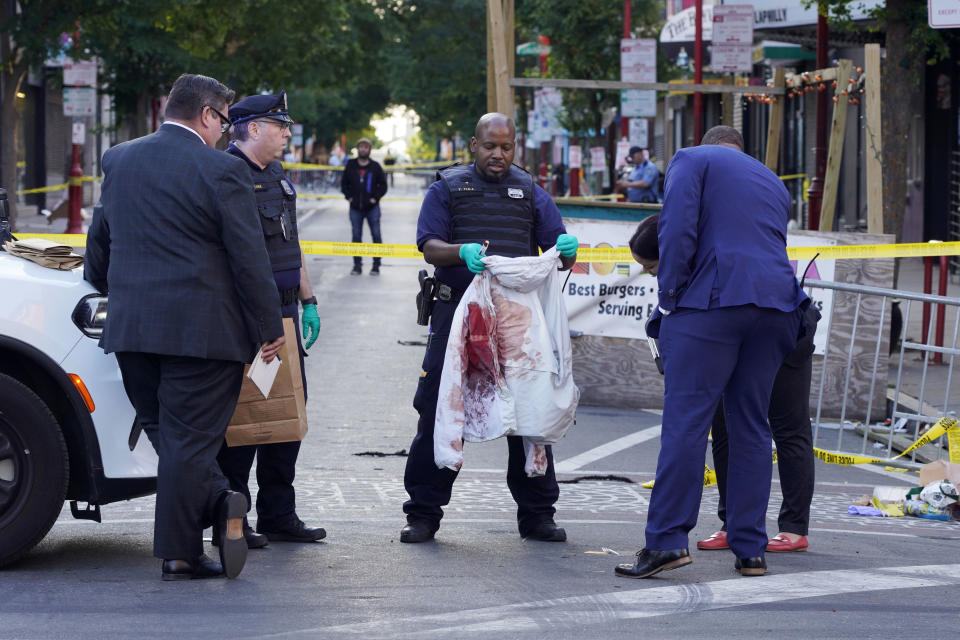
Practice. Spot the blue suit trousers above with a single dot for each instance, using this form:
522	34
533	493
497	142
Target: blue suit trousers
731	353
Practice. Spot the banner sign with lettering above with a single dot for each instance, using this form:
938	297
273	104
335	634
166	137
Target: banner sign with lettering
616	300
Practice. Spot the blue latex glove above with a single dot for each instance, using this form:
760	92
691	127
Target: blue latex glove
567	245
470	253
311	324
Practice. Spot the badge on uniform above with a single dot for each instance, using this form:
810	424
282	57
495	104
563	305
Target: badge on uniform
515	193
287	189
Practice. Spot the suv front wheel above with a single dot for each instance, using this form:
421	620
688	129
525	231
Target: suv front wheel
34	469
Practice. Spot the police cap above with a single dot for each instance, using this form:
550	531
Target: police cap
273	106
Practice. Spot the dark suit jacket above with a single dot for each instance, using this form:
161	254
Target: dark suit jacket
176	243
723	232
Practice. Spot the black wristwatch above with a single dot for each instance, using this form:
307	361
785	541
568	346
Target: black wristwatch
311	300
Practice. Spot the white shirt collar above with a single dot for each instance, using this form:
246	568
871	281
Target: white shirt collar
183	126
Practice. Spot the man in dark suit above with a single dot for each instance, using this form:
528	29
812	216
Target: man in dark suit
176	243
730	310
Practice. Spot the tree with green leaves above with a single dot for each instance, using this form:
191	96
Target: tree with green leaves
585	45
437	62
29	36
910	43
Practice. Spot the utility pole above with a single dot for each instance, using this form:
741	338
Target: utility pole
815	191
698	75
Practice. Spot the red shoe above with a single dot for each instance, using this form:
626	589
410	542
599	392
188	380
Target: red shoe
782	544
714	542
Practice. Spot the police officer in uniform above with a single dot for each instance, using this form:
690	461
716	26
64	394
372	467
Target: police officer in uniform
260	128
496	201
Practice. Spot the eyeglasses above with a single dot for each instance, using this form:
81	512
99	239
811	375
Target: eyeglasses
224	120
283	125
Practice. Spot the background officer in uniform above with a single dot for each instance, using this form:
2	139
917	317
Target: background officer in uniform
261	127
453	222
641	184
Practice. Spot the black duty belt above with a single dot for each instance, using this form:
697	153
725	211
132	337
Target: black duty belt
446	293
289	296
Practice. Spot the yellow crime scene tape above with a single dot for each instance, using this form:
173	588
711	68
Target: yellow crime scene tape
390	167
948	426
57	187
594	254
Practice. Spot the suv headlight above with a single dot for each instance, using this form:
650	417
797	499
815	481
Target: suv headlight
90	314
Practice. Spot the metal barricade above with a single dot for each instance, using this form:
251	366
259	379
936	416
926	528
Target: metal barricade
842	368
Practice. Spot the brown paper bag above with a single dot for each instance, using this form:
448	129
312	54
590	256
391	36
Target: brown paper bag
281	417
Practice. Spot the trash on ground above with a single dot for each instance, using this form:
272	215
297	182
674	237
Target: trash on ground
892	509
603	552
921	509
890	493
939	494
856	510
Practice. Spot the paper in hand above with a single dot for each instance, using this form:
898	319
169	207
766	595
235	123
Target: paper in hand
263	373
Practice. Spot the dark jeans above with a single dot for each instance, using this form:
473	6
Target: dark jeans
183	405
430	487
276	465
789	417
373	220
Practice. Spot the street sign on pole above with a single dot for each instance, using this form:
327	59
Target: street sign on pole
639	132
732	38
638	63
79	101
943	14
79	132
80	73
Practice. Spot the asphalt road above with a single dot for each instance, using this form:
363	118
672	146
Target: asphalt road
862	577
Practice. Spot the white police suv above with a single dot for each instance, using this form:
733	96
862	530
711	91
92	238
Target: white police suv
67	430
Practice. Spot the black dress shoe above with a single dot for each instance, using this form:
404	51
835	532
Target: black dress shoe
202	567
417	531
254	540
232	544
756	566
650	562
547	531
295	531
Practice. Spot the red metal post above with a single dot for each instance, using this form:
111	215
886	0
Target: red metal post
815	192
574	182
698	75
627	29
75	193
941	309
543	175
927	285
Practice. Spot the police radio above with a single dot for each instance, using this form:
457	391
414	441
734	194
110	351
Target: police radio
6	234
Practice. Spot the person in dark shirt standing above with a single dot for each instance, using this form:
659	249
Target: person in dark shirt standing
364	183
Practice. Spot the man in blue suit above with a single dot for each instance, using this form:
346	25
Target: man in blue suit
729	313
